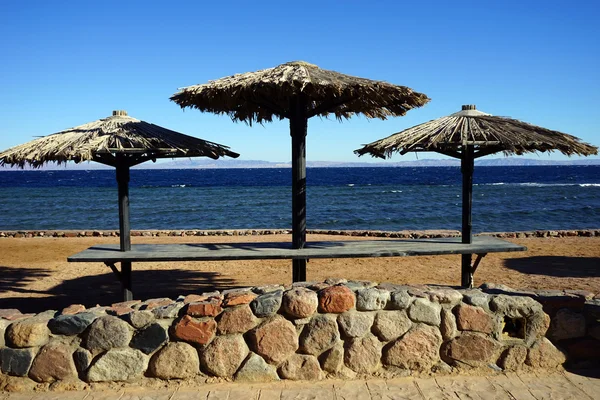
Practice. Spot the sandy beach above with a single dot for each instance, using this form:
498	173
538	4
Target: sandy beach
35	275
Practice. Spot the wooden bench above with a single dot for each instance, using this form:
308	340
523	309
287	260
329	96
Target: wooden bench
110	254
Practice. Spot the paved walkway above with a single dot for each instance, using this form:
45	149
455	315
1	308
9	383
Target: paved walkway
559	385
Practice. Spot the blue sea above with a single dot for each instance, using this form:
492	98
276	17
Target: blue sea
504	198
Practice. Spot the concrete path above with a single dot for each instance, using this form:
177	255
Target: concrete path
558	385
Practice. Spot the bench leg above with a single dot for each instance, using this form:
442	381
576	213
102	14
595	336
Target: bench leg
299	270
126	281
466	273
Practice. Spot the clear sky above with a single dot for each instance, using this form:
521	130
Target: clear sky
66	63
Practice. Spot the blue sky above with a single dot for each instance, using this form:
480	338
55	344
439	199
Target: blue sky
66	63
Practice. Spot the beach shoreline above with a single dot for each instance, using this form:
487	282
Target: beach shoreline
36	275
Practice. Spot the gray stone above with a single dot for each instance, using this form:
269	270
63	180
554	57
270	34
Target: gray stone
30	332
333	359
301	367
71	324
118	365
357	285
107	333
363	354
423	310
448	327
446	296
371	299
476	298
256	369
267	304
168	311
140	319
176	360
16	362
150	339
400	300
515	306
224	355
320	334
417	350
390	325
82	359
268	289
355	324
567	324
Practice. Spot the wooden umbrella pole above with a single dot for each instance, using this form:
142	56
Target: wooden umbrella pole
467	166
124	227
298	129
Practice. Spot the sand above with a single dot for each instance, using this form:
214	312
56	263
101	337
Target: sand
35	276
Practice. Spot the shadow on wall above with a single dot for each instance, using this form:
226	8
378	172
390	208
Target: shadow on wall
102	289
565	267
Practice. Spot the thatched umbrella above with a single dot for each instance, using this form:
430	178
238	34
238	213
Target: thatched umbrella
470	134
121	142
298	91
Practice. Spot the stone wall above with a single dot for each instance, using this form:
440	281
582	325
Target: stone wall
308	331
254	232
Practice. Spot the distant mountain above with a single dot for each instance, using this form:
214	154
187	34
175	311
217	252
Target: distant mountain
204	163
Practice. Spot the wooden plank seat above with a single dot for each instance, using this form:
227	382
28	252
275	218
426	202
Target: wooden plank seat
110	254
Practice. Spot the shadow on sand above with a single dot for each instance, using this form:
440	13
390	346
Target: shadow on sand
563	267
103	289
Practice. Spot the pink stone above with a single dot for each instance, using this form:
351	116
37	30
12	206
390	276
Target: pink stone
238	298
154	303
210	308
194	298
275	340
129	303
53	362
120	310
10	313
238	319
471	318
195	331
336	299
417	350
73	309
471	347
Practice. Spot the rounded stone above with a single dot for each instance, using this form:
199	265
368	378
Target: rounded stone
301	367
390	325
363	354
107	333
299	302
31	332
267	304
417	350
371	299
224	355
423	310
238	319
448	327
53	362
355	324
150	338
71	324
333	359
471	318
118	365
336	299
567	324
256	369
470	348
139	319
16	362
176	360
275	339
320	334
515	306
400	300
543	354
512	359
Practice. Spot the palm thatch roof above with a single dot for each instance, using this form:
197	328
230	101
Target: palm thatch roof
104	140
487	134
263	95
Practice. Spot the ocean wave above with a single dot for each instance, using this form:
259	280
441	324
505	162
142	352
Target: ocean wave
539	184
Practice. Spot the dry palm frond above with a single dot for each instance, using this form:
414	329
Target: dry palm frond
262	95
484	132
106	138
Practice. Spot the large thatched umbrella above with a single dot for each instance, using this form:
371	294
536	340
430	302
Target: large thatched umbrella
298	91
470	134
121	142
